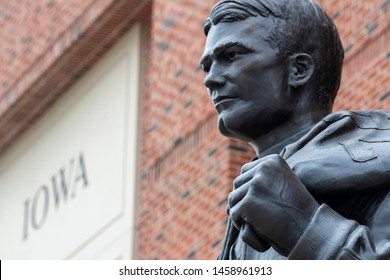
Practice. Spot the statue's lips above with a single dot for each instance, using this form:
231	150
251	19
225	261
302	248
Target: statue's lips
222	99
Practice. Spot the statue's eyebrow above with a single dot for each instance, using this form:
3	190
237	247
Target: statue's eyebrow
224	46
219	49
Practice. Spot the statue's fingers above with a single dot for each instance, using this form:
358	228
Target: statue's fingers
241	180
250	237
235	215
237	195
248	166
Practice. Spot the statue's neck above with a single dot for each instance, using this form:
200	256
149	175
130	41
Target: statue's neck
276	140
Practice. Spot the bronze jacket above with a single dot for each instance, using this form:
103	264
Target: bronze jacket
344	162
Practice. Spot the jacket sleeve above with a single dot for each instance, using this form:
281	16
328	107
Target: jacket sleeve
331	236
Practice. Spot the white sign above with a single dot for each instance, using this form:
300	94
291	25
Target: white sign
67	186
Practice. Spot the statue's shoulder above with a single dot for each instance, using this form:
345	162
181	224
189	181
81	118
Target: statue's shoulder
347	151
365	119
344	127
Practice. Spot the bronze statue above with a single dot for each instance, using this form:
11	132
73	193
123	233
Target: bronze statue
319	186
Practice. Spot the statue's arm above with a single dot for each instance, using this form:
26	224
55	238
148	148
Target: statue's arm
271	199
331	236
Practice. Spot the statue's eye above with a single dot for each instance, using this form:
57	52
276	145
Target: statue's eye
232	56
205	68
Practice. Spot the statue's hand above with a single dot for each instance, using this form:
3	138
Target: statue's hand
271	199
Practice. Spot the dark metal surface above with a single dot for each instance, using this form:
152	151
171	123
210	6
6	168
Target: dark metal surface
319	186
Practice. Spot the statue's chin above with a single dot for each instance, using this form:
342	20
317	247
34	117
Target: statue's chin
225	131
233	129
222	128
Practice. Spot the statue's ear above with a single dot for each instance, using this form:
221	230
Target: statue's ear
301	68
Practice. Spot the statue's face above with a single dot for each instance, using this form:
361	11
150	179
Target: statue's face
246	79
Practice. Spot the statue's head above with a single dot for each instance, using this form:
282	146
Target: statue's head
297	33
299	26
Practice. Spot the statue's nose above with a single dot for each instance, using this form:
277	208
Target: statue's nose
215	78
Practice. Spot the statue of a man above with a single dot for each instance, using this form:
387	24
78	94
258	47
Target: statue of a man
319	186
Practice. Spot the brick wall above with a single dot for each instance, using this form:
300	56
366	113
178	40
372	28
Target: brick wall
47	46
28	29
364	27
187	167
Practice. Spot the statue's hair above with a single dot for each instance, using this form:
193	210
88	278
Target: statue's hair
300	26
